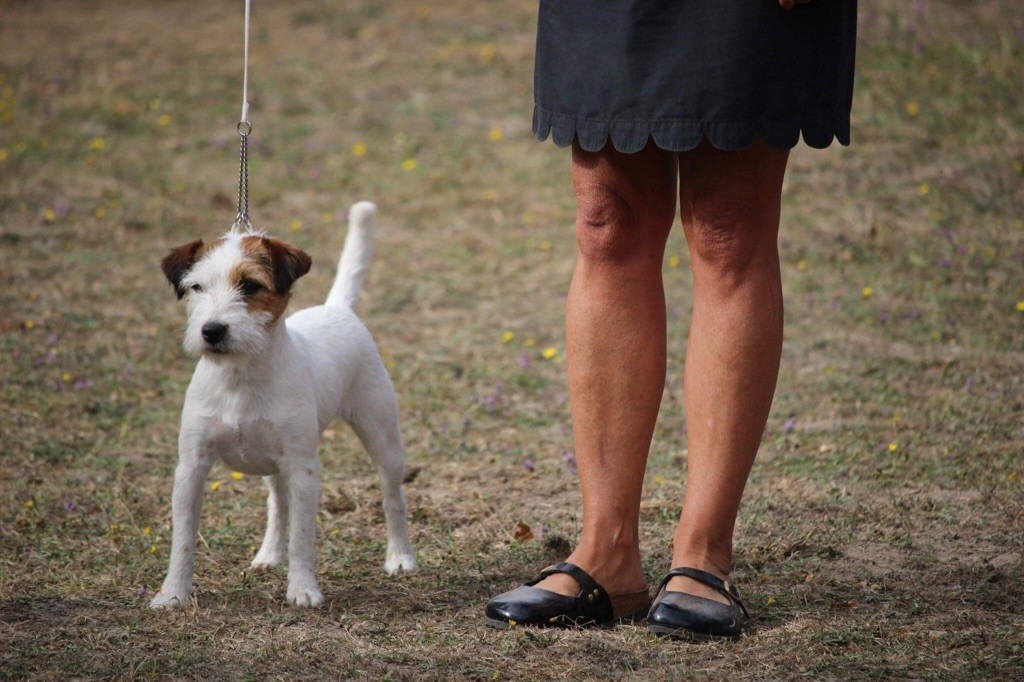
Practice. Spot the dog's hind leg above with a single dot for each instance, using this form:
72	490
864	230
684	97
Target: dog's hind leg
375	421
275	542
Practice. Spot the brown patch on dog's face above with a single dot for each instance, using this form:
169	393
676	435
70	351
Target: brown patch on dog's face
266	273
179	261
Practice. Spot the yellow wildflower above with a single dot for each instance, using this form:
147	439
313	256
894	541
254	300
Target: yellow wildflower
673	261
549	352
163	120
97	143
924	189
359	149
147	530
152	549
30	324
100	212
326	218
1020	306
866	292
66	377
507	336
30	503
544	245
893	446
529	342
3	155
912	108
495	134
49	215
487	52
409	165
802	265
295	225
237	475
215	486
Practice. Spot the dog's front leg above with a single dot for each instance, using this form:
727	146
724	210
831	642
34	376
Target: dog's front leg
303	477
186	504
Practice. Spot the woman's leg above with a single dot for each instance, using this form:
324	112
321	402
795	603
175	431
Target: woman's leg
615	346
730	212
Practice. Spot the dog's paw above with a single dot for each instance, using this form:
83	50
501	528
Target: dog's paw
305	594
264	562
400	563
168	600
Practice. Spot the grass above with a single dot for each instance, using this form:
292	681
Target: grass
882	531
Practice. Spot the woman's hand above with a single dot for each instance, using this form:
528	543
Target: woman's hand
790	4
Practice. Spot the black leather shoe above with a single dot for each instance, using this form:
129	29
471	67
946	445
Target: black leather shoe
528	605
686	616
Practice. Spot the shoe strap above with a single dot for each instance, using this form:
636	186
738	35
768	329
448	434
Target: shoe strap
724	587
592	597
587	584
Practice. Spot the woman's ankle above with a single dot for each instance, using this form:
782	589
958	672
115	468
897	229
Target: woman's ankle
714	558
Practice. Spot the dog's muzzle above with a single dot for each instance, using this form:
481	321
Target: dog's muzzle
214	332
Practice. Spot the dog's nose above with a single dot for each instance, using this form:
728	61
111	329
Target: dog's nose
214	332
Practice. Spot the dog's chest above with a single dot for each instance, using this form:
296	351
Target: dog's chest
253	447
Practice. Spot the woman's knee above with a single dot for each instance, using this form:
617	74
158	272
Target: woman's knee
615	226
728	230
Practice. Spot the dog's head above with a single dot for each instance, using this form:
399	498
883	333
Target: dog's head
236	289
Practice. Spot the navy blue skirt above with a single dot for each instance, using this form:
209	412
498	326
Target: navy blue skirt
677	71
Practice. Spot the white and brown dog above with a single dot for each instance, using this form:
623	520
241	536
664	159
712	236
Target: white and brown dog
265	389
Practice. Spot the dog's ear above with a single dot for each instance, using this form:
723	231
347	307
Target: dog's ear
290	263
176	263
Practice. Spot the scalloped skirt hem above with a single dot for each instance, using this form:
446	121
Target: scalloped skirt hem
630	137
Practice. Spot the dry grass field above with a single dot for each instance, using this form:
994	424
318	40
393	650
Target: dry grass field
883	531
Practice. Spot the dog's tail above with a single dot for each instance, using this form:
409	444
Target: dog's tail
355	256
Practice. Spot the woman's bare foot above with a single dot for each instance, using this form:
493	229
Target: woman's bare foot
689	585
617	572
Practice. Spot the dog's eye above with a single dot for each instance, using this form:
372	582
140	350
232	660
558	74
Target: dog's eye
197	288
250	287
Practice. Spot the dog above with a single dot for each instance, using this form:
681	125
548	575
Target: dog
264	390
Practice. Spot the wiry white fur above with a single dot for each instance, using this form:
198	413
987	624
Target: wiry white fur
355	256
262	407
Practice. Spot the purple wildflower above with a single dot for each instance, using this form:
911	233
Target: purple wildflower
528	465
570	462
789	426
83	384
524	361
70	505
968	385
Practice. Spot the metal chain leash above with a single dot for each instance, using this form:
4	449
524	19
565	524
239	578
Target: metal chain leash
242	216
